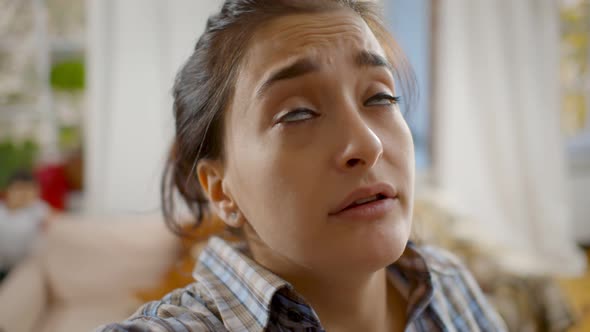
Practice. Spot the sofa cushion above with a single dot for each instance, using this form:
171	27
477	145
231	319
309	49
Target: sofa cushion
23	297
93	258
87	317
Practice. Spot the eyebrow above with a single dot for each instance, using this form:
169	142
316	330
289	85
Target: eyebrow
370	59
306	65
299	68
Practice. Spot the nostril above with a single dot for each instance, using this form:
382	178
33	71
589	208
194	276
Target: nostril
352	162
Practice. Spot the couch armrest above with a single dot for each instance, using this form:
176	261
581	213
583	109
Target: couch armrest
23	297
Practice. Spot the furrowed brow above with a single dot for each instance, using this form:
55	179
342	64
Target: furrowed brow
298	68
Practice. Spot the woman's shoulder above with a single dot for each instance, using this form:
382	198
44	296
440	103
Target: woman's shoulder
457	294
440	260
189	308
447	270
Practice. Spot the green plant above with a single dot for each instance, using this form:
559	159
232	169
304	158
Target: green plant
15	157
68	75
69	138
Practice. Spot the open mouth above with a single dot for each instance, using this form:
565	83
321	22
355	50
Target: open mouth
377	197
364	201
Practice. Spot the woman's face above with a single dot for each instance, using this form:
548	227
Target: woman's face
312	122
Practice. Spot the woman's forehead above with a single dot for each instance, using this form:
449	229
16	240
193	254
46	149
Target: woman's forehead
295	33
321	37
321	25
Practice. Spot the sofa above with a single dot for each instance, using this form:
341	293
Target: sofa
86	271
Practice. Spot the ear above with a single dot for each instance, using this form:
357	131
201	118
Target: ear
212	179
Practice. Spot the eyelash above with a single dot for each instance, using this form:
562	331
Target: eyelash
392	100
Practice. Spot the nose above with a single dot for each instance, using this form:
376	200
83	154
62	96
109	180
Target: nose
362	149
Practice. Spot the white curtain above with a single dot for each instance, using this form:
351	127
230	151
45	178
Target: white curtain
135	48
498	149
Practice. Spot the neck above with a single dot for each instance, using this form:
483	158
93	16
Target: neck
343	301
348	304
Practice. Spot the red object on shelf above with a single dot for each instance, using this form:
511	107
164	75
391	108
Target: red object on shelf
53	185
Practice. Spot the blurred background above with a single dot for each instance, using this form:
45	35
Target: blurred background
502	136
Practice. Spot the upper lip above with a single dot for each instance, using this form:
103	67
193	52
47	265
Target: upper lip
382	188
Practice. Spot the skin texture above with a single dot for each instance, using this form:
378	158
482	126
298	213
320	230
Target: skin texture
296	148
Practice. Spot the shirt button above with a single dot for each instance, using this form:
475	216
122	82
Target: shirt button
294	316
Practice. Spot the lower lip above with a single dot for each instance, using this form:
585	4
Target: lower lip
368	212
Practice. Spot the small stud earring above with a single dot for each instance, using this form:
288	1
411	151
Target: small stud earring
233	215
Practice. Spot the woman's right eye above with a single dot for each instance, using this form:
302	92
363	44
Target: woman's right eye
297	115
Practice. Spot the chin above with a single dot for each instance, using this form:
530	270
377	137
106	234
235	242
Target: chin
376	249
379	257
385	246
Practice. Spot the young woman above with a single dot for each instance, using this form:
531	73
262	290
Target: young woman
288	128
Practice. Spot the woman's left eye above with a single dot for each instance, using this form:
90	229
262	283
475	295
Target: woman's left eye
297	115
382	99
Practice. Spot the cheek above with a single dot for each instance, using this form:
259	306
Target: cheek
276	196
270	177
273	187
399	141
408	145
402	158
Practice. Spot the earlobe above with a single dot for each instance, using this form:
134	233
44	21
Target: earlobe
211	178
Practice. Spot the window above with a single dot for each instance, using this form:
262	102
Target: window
410	23
42	85
575	77
575	73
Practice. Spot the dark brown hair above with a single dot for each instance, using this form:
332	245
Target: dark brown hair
204	87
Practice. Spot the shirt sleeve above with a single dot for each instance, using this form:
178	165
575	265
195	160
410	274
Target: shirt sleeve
180	311
485	314
465	303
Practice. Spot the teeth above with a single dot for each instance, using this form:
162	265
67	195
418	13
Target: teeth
366	200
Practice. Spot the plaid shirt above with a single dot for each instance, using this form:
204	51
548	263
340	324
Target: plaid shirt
233	293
